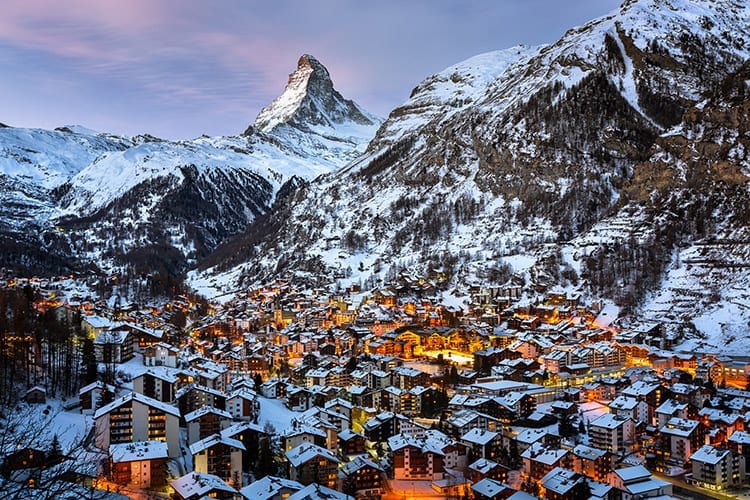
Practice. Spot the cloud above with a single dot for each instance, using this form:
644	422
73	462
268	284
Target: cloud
161	61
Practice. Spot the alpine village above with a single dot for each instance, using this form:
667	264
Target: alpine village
531	280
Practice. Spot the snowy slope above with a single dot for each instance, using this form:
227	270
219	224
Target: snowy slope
512	150
100	197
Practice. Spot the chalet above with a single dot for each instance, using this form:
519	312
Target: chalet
140	464
483	444
612	433
564	484
298	434
243	404
416	459
668	409
160	385
221	456
592	462
135	417
739	441
351	443
310	463
35	395
483	468
717	468
491	489
196	485
680	438
161	354
204	422
361	477
142	337
629	407
637	482
113	346
90	396
382	426
191	397
652	394
270	488
726	422
528	437
538	460
461	422
248	434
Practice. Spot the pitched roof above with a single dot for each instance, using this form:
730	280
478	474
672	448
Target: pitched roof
269	487
137	451
141	398
198	484
306	452
213	440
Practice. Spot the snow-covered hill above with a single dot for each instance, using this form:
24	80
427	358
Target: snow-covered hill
509	153
101	198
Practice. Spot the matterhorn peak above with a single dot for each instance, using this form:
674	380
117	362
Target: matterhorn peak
310	102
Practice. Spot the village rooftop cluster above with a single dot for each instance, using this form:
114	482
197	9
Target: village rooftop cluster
295	391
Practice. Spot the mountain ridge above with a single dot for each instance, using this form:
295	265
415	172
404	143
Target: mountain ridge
472	174
77	189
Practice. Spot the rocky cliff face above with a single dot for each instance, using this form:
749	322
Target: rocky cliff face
310	103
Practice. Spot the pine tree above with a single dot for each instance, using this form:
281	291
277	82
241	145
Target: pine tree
88	360
55	450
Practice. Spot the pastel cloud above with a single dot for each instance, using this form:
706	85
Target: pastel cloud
183	67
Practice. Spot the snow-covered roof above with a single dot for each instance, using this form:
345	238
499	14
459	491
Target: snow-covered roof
709	454
540	453
141	398
740	437
628	474
561	480
609	421
588	452
213	440
198	485
489	487
269	487
317	492
679	427
138	450
306	452
479	436
205	410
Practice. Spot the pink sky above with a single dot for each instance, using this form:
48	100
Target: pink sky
181	68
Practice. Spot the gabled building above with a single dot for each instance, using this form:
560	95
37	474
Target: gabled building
717	468
310	463
361	478
592	462
135	417
490	489
140	464
195	485
221	456
159	385
270	488
538	460
483	444
484	468
612	433
680	438
637	482
204	422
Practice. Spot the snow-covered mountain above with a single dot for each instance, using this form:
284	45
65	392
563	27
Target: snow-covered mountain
506	157
109	200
